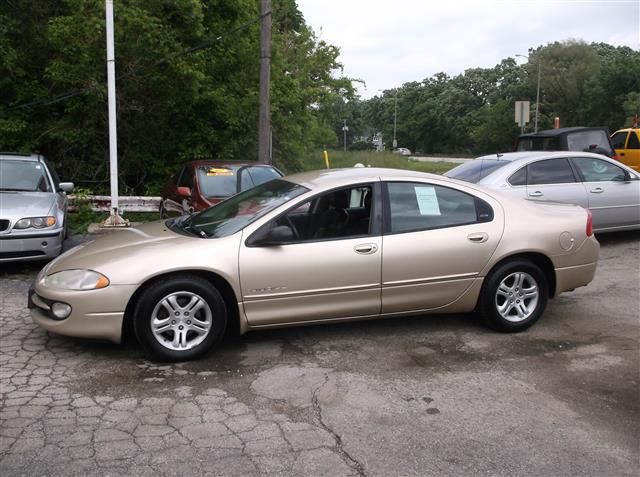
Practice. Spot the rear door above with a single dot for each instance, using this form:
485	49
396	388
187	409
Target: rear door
631	154
555	180
613	201
437	239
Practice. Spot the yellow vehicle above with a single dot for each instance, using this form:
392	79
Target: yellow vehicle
626	142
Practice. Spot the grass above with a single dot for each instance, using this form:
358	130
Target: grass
339	159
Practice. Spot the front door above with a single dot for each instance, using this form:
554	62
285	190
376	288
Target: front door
329	270
613	201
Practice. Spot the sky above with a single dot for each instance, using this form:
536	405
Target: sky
387	43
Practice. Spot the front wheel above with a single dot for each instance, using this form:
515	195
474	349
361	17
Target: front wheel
180	318
514	296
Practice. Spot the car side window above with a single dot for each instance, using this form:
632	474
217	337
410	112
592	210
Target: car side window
338	214
597	170
633	143
186	178
618	139
518	178
418	206
550	171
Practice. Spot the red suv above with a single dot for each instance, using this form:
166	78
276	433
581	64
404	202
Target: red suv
201	184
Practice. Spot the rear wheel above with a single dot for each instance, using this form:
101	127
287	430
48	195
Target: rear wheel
180	318
514	296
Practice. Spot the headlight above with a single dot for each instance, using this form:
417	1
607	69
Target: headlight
76	280
35	222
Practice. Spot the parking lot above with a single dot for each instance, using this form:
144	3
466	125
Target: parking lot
433	395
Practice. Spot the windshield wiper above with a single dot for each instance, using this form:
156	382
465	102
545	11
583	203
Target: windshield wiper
188	226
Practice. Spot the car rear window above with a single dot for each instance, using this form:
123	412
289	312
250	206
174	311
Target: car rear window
589	141
476	170
538	144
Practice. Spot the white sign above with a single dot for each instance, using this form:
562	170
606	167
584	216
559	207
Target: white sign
427	201
522	112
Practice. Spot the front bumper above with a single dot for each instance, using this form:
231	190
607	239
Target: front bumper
32	246
94	313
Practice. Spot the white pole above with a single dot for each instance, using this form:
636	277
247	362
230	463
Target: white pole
111	88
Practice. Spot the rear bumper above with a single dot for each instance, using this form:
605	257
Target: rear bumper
29	247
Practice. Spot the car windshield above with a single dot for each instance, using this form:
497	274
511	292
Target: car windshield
474	171
23	176
224	181
238	211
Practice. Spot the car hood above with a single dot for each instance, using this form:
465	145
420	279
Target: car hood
17	205
133	255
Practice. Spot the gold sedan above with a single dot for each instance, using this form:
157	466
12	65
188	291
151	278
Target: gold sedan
320	247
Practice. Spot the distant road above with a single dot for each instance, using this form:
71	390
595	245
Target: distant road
457	160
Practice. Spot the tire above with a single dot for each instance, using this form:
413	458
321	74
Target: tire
180	318
514	296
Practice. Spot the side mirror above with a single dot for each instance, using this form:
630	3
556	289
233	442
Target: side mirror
627	176
66	187
280	235
184	191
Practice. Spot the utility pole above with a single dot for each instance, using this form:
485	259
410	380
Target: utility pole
114	219
535	129
345	128
264	124
395	119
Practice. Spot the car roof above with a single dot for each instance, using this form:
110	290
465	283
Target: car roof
19	156
561	131
532	155
336	177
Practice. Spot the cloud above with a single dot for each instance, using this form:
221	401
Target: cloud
388	43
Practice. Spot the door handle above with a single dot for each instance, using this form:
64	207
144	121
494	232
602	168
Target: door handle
480	237
536	194
597	190
622	153
366	248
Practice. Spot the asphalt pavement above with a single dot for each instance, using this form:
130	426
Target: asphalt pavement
432	395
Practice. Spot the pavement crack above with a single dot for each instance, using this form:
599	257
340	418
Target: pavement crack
346	457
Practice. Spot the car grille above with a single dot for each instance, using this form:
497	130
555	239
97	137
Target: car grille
4	225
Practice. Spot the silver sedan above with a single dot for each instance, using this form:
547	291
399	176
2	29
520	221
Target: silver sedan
33	208
608	188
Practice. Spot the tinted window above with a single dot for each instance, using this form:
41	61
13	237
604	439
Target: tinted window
415	206
186	179
474	171
550	171
633	141
222	181
538	144
519	178
589	141
597	170
259	175
618	139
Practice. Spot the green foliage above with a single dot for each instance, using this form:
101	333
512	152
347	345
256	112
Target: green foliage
186	78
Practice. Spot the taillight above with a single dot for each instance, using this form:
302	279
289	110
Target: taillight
616	157
589	223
